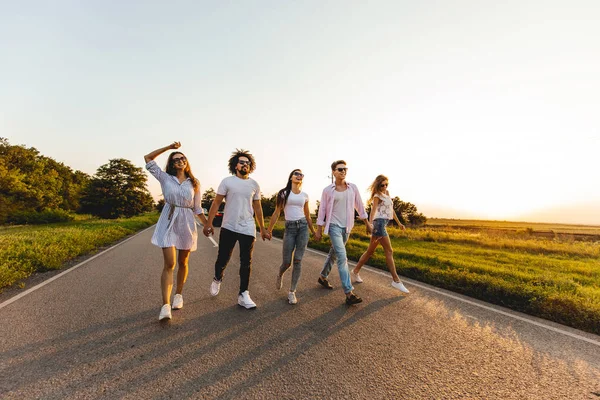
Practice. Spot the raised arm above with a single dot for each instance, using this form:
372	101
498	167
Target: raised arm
153	154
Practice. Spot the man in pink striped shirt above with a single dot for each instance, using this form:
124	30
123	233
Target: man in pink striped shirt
336	213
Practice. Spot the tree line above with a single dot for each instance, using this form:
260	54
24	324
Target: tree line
37	189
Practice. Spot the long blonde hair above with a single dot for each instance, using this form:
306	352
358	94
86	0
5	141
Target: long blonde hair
375	188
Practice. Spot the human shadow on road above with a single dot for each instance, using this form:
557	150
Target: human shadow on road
123	355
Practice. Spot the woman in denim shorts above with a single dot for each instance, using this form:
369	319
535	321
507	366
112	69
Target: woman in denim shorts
382	211
294	203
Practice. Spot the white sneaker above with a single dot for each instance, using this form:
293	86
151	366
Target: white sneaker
165	312
279	282
177	302
215	286
245	301
356	277
400	286
292	298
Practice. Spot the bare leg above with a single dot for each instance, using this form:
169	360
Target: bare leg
389	257
182	269
166	279
367	254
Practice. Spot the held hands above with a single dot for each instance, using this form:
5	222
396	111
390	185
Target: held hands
265	234
175	145
318	235
208	230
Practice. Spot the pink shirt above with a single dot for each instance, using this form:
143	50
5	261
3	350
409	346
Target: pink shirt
326	207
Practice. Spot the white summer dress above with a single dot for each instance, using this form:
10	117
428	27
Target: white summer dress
176	225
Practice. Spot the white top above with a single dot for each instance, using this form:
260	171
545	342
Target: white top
294	207
340	209
238	215
385	208
179	231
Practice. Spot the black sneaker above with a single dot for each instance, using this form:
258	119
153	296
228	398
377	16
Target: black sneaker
325	283
353	299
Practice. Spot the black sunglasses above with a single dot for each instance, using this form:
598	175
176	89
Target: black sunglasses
342	169
178	159
299	174
383	185
243	162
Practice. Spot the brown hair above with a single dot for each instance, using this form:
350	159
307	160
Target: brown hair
171	170
335	163
374	188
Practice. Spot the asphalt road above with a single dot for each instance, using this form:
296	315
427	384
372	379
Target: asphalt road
94	333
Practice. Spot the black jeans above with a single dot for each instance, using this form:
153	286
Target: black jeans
227	240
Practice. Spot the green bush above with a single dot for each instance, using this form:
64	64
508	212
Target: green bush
38	218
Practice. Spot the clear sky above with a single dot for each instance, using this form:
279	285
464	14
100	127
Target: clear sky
478	109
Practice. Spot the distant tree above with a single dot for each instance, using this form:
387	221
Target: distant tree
268	204
208	197
117	190
407	213
33	183
160	204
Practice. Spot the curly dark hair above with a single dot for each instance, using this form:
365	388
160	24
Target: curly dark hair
170	169
235	156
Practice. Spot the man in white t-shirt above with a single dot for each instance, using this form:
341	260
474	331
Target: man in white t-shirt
242	203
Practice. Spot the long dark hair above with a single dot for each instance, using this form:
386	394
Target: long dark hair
171	170
284	193
235	157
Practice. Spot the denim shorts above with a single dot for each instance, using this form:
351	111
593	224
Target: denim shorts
379	225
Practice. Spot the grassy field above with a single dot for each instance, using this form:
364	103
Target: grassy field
534	227
28	249
556	277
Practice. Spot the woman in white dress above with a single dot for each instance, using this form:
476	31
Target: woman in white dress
382	211
176	228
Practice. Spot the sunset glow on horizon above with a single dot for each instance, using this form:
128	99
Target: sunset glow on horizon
472	109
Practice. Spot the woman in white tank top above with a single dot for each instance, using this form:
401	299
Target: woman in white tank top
382	211
294	203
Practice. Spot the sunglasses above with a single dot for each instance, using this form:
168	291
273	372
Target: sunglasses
383	185
299	174
179	159
342	169
242	162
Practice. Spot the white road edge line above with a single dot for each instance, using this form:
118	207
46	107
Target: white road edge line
36	287
507	314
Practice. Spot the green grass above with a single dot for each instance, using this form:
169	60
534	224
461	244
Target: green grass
556	277
28	249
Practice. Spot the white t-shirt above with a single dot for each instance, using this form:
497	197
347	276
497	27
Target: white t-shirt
340	208
238	215
294	207
385	208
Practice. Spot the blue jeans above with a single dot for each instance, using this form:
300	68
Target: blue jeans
338	237
295	240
